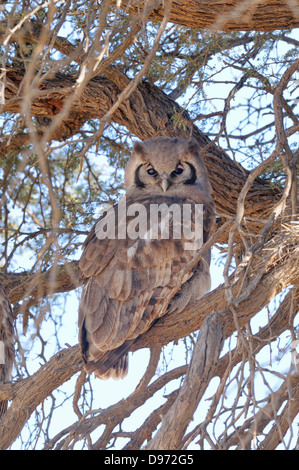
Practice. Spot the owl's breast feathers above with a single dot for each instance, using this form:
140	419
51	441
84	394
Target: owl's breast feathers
131	275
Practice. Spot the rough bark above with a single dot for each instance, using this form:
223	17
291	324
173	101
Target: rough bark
201	370
35	286
233	15
27	394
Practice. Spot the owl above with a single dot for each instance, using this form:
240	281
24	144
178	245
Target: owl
6	342
134	265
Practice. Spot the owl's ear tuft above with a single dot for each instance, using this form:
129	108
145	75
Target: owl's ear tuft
193	147
139	149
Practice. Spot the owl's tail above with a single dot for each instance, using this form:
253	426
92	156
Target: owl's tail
112	364
118	371
3	408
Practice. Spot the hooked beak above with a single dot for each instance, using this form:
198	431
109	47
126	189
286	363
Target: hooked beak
164	182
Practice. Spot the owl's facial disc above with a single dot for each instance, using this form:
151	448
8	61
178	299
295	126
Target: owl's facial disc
163	180
165	176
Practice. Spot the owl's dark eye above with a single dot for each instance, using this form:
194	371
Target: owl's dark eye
152	172
178	171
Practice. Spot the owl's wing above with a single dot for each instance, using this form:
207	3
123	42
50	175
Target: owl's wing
200	281
128	283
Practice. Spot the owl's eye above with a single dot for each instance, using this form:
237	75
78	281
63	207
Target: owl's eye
151	171
178	171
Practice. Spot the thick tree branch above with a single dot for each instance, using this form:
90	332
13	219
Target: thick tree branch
254	426
284	419
280	322
234	15
115	414
27	394
200	372
23	286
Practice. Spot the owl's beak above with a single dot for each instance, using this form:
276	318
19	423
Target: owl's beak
164	182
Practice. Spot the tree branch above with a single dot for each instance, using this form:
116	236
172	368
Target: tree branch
288	414
27	394
33	287
201	370
234	15
253	427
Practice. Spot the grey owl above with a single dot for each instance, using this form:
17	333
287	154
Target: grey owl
131	265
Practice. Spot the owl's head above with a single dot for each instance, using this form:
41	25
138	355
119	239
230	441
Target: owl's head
166	165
